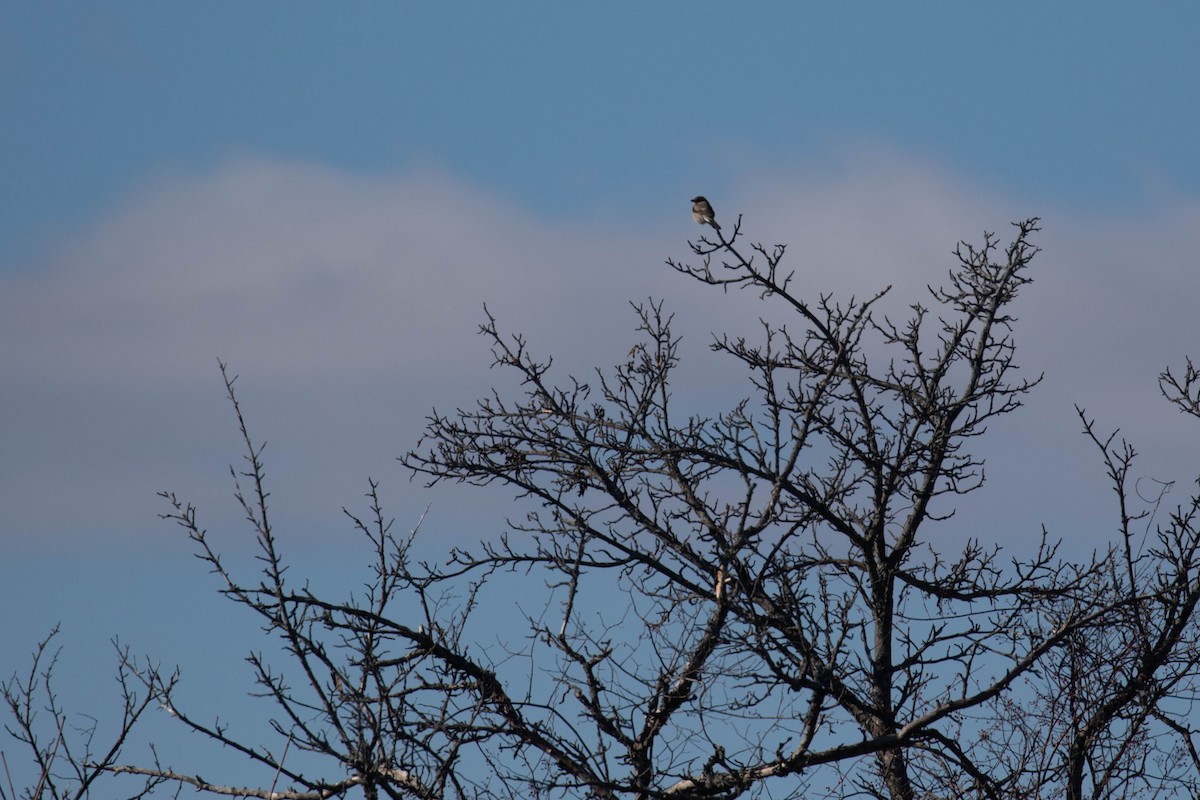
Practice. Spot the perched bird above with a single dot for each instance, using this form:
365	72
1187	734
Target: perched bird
702	212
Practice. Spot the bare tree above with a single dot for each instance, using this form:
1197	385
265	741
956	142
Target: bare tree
68	757
743	603
1114	714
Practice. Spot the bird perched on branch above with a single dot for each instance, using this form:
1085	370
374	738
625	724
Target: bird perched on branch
702	212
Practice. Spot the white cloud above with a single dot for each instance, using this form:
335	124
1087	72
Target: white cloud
292	269
349	305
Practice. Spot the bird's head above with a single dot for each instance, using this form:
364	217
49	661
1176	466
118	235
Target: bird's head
699	199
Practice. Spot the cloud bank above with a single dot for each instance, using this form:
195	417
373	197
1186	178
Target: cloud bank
348	304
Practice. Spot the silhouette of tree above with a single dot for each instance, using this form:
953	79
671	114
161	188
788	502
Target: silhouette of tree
742	602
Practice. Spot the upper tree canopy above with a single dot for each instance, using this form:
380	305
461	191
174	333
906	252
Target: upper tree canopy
744	602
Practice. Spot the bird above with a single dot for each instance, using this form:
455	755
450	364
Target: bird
702	212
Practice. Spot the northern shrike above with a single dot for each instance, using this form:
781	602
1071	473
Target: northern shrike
702	212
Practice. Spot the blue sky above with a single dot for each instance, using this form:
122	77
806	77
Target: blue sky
574	110
325	195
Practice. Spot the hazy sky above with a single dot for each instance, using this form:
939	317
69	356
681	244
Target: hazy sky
325	195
